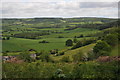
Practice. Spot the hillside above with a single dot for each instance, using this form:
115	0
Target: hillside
57	48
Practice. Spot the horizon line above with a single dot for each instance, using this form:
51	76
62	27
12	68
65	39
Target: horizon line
55	17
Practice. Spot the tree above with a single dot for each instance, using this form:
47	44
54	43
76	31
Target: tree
101	49
3	38
111	39
80	36
69	42
8	38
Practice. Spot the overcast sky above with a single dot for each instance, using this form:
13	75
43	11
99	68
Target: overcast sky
66	8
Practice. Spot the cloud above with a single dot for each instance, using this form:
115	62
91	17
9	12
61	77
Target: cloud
98	4
60	9
60	0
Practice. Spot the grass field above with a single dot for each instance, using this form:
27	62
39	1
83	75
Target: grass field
115	51
20	44
72	33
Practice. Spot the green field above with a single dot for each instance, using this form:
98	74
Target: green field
19	44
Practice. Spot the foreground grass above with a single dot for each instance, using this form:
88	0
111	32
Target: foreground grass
48	70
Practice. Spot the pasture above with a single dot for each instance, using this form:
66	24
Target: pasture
20	44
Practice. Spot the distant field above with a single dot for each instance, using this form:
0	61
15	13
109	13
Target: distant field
75	32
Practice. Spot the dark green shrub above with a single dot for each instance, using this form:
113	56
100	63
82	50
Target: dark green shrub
111	39
69	42
43	41
101	49
61	53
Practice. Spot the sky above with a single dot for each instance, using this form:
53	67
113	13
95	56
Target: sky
56	8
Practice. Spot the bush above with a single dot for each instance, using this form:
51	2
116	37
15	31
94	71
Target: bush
43	41
61	53
3	38
45	57
80	36
60	37
8	38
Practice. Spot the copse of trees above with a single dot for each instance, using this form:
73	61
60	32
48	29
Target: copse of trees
101	49
69	42
111	39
